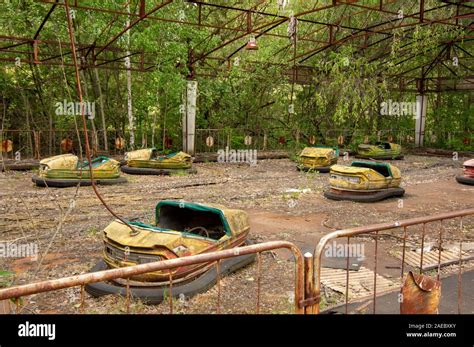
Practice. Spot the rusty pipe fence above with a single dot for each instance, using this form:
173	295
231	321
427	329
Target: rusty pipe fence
43	143
307	278
15	293
374	231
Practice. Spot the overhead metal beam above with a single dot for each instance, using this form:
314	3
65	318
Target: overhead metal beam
313	52
132	24
45	20
277	23
418	16
272	25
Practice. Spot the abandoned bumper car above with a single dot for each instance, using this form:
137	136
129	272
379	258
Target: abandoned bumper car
67	171
317	158
380	150
148	162
364	182
468	177
182	229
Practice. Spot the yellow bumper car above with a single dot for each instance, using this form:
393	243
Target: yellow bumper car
148	162
182	229
67	171
364	182
317	158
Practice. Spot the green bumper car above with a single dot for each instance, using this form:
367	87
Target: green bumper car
148	162
380	151
66	171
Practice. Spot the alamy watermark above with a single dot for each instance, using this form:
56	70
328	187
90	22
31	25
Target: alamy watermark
227	155
344	250
396	108
13	250
28	329
78	108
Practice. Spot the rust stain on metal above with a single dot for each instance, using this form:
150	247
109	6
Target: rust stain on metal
440	248
375	269
218	270
422	248
460	268
403	252
347	277
420	295
259	276
127	299
171	291
310	299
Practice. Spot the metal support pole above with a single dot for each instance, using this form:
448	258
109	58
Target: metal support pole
421	103
189	117
309	293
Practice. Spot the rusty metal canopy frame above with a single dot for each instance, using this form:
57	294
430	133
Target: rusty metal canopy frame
232	22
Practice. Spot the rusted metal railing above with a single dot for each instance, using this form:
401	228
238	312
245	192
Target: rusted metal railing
373	230
17	292
307	282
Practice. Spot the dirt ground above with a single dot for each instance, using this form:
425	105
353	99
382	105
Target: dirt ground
282	203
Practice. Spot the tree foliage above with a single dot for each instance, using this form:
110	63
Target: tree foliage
248	92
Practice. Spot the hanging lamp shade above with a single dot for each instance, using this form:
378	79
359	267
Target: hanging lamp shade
7	146
66	145
252	44
119	143
209	141
168	141
291	108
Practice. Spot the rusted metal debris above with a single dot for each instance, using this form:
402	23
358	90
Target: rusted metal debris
420	295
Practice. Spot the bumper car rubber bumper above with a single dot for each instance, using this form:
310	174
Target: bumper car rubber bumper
465	180
155	295
323	169
372	196
149	171
383	157
64	183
